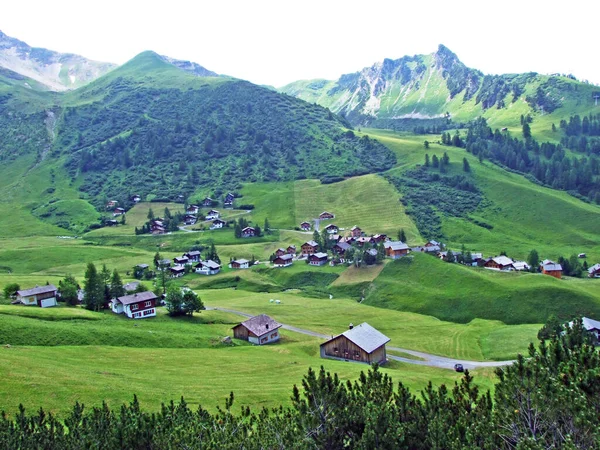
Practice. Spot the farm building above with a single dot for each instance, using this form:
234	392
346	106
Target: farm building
326	215
499	263
283	260
310	247
362	343
395	249
552	269
318	259
594	271
239	264
208	267
136	306
42	296
258	330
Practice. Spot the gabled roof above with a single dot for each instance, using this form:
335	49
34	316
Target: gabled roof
143	266
395	245
343	245
136	298
241	261
131	286
547	261
248	229
521	265
177	268
311	243
331	225
502	260
319	255
476	256
193	253
210	264
366	337
37	290
286	257
260	325
218	221
354	228
590	324
552	267
594	268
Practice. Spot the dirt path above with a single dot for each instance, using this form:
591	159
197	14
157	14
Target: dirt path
426	359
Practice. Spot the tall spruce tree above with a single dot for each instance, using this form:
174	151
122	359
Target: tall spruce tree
93	296
116	285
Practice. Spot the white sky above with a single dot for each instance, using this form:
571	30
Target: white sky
276	42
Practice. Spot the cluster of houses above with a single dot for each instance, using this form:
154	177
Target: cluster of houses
191	216
189	261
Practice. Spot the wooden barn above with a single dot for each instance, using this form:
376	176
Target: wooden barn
258	330
362	343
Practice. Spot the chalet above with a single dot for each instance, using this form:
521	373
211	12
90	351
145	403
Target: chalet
213	214
229	197
157	227
136	306
582	255
136	199
207	201
208	267
331	229
280	252
317	259
248	232
499	263
291	249
217	224
283	260
444	254
594	271
118	211
395	249
305	226
181	260
340	250
348	240
190	219
239	264
552	269
192	209
334	237
177	271
376	239
477	259
362	343
193	256
310	247
326	215
258	330
356	232
42	296
592	326
111	204
521	266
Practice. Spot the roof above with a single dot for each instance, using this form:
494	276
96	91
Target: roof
292	246
343	245
395	245
218	221
319	255
432	242
181	258
37	290
594	268
372	252
177	269
547	261
590	324
136	298
326	212
241	261
475	256
331	225
248	229
260	325
502	260
552	267
354	228
311	243
366	337
131	286
286	257
210	264
521	265
193	253
143	266
305	223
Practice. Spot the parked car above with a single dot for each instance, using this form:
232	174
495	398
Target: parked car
459	367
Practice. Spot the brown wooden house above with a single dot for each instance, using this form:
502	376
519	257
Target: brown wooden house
305	226
284	260
362	343
326	215
395	249
259	330
356	231
554	270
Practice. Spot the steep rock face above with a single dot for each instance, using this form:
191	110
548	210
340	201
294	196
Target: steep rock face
57	71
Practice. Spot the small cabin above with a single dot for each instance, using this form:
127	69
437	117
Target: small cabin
362	343
395	249
248	232
193	256
552	269
42	296
258	330
239	264
305	226
331	229
217	224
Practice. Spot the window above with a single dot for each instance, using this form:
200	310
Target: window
356	355
148	304
149	312
135	306
335	350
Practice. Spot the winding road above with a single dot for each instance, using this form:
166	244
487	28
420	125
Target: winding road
424	359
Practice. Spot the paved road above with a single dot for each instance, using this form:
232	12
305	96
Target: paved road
425	359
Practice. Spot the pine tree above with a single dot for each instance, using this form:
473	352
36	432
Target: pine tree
402	235
267	226
427	162
533	260
68	290
150	214
466	165
116	285
93	297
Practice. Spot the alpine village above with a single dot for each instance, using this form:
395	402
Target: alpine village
407	257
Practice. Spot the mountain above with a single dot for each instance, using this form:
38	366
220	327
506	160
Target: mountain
437	86
55	71
191	67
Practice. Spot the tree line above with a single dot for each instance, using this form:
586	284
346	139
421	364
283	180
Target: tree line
549	399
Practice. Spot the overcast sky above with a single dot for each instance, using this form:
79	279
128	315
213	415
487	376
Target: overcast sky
276	42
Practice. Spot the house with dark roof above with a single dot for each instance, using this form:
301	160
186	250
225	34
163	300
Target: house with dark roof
208	267
42	296
594	271
193	256
340	249
395	249
181	260
136	306
177	271
284	260
248	232
362	343
217	223
305	226
190	219
291	249
207	201
326	215
258	330
192	209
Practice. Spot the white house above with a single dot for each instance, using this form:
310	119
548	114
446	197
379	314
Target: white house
136	306
208	267
217	223
212	214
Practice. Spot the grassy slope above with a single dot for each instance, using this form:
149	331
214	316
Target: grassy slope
427	285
